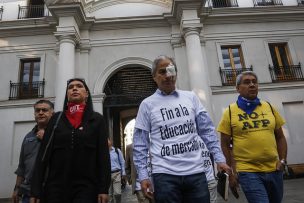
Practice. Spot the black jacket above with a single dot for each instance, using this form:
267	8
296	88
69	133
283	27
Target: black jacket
77	160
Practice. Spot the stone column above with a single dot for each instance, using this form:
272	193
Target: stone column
198	72
68	36
65	69
178	47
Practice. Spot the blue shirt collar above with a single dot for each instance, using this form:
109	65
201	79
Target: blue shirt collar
174	92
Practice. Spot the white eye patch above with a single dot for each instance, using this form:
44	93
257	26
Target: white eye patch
170	70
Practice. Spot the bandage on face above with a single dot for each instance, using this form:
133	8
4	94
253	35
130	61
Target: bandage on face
170	70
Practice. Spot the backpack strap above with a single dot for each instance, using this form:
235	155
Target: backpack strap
230	119
271	108
231	130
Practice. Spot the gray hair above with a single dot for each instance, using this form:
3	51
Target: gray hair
160	58
240	76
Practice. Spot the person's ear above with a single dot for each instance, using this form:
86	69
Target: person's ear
154	79
237	88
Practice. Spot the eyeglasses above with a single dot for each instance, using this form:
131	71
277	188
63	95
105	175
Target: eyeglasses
44	110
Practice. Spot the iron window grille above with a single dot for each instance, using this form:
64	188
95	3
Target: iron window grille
32	11
26	90
286	73
228	75
222	3
267	2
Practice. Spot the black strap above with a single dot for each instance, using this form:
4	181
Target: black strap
46	174
230	119
231	131
271	108
51	137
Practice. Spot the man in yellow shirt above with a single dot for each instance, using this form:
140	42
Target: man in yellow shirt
253	143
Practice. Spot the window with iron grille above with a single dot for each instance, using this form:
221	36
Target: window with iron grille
224	3
29	78
267	2
232	57
34	9
233	63
283	68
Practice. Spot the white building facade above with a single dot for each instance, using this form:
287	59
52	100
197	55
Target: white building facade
107	42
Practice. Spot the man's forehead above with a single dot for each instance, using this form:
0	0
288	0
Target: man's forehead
164	62
245	77
42	105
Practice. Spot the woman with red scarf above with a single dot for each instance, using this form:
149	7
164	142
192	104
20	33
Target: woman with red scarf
73	163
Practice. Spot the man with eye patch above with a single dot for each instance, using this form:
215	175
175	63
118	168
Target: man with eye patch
172	125
43	111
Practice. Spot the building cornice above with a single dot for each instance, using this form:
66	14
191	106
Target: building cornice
27	27
130	22
75	10
21	103
179	5
251	14
95	5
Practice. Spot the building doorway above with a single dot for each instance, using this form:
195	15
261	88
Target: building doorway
124	91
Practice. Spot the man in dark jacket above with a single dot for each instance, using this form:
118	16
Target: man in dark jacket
43	111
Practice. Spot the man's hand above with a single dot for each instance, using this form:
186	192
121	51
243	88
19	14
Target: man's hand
40	134
15	196
280	166
223	167
103	198
146	188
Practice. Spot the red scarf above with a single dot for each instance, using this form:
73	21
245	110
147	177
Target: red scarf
74	113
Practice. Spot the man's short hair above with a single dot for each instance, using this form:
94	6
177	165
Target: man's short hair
160	58
45	101
240	76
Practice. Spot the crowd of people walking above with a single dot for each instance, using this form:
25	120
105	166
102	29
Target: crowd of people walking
69	156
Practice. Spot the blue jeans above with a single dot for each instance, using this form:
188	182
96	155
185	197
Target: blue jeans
25	199
180	189
262	187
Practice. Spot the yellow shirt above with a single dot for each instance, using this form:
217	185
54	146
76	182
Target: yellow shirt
254	143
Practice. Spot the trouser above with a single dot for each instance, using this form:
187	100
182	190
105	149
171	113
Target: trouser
180	189
115	188
25	199
262	187
212	187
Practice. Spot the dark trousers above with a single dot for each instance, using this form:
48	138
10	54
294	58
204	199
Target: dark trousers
180	189
25	199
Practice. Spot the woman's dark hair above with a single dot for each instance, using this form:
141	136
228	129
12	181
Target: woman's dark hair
89	102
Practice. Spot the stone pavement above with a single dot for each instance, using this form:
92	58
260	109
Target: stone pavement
293	193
